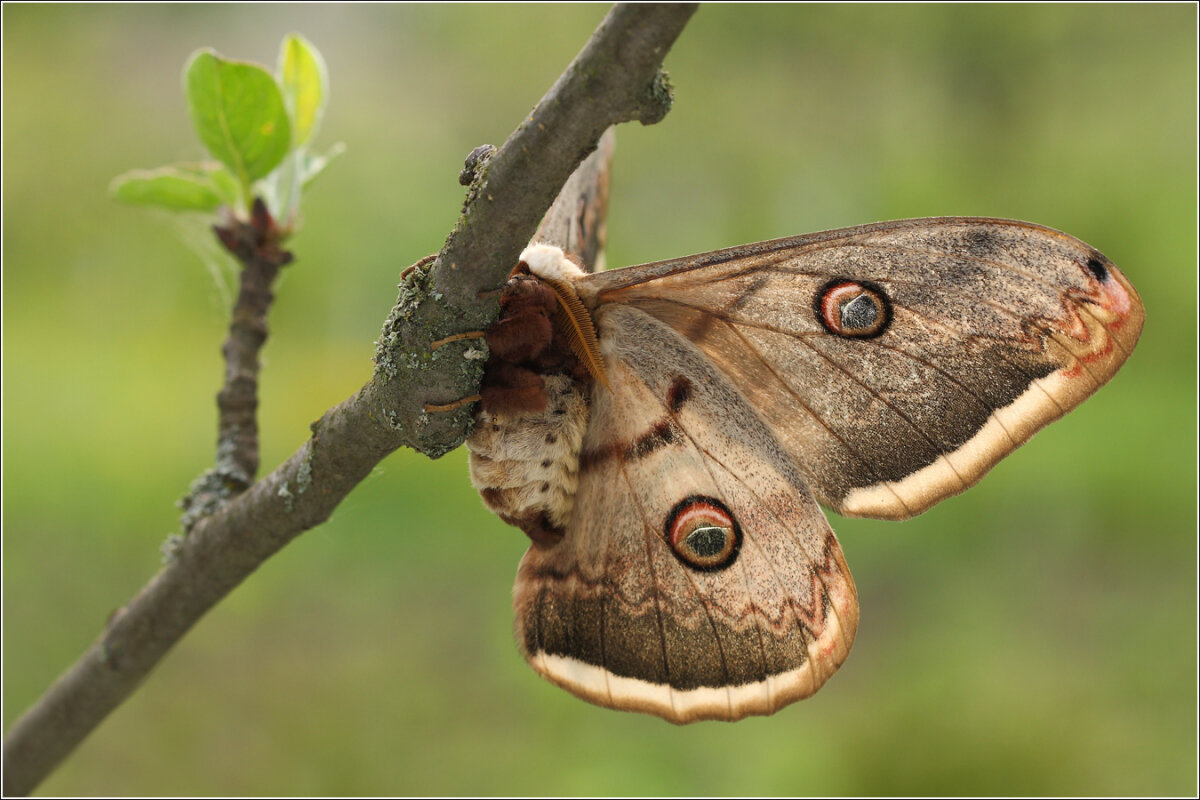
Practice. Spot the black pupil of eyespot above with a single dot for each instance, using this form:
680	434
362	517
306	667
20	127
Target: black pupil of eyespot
707	541
1097	268
859	313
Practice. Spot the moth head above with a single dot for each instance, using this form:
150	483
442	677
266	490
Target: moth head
550	263
557	270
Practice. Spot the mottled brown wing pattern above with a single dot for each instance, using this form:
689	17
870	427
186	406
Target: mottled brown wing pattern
627	614
993	329
680	564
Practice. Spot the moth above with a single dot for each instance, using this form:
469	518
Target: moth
664	433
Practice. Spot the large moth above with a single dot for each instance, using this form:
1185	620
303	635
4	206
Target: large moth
663	433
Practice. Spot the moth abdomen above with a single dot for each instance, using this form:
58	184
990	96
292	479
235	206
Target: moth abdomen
524	451
534	399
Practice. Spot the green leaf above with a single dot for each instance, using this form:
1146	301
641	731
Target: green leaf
305	83
313	165
224	183
239	115
179	188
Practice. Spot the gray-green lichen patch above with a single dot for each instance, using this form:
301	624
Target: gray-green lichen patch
403	351
207	494
304	473
661	95
415	287
421	367
228	467
289	500
170	547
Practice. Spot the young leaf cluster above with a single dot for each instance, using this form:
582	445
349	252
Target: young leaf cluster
257	126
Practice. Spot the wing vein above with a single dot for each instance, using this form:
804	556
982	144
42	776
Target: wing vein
916	428
793	602
957	333
696	589
800	401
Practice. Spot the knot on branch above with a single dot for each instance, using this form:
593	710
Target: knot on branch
407	365
257	241
415	286
656	101
474	172
473	166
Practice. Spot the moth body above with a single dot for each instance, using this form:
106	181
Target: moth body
524	450
551	264
526	466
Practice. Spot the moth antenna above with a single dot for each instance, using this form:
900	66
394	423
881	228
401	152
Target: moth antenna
575	320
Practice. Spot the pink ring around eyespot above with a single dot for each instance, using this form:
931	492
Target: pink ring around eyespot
835	297
832	301
694	513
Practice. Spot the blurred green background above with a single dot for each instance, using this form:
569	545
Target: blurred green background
1035	635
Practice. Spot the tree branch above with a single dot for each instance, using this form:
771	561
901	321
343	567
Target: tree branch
615	78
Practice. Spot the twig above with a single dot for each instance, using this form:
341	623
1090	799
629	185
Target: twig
256	244
615	78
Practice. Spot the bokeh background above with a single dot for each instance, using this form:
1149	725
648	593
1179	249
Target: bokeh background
1035	635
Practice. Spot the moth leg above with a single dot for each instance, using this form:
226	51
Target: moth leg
456	337
427	260
432	407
